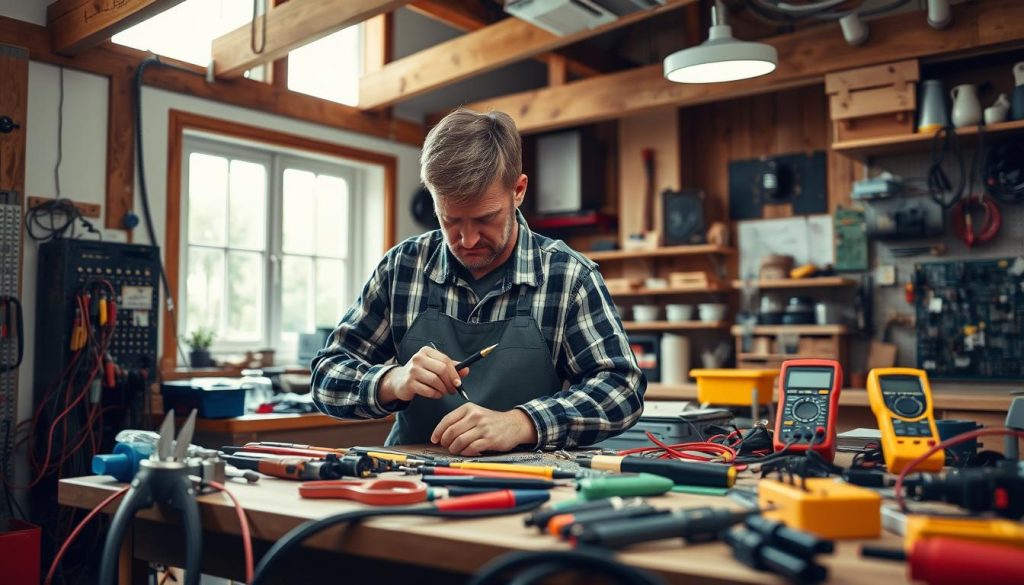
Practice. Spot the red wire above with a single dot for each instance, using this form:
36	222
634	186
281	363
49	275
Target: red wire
712	451
243	522
950	442
74	533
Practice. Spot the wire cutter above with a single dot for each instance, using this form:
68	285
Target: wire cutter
164	480
376	492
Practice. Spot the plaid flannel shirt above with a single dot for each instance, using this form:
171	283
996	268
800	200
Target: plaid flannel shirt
569	302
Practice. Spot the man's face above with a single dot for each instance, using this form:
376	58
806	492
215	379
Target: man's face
481	233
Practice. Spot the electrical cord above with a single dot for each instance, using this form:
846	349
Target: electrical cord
950	442
78	529
300	533
945	143
962	216
536	566
243	524
60	134
144	190
61	208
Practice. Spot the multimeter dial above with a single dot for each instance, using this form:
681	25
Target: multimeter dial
806	410
908	406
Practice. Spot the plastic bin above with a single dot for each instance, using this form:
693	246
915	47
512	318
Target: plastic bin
733	387
212	397
19	553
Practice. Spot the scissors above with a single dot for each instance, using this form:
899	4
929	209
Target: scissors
376	492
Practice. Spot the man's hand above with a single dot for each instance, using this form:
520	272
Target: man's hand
472	429
429	373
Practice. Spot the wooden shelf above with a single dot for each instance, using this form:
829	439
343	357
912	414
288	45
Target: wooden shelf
816	282
767	357
910	143
673	325
798	329
644	292
611	255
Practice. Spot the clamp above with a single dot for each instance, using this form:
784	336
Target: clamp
167	478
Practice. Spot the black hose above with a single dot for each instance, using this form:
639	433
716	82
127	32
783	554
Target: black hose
542	564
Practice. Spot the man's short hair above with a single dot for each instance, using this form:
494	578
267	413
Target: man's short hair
468	151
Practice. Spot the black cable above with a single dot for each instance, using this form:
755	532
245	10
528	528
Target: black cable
1002	172
144	191
542	564
300	533
20	334
60	135
945	143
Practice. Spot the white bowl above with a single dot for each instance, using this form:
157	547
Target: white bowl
656	283
675	312
711	311
645	313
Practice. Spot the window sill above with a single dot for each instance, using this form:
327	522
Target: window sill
182	373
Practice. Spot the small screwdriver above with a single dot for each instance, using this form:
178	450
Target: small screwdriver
541	470
625	485
540	518
567	524
682	472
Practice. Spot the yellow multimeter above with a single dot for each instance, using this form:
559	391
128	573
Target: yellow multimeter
902	402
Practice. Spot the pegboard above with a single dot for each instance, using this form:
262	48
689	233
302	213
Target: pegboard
10	278
970	319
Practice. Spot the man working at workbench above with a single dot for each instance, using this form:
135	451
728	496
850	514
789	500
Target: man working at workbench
484	278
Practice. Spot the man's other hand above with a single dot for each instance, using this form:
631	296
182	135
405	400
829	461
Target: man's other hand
429	373
472	429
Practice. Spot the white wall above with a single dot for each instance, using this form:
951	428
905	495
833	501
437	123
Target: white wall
33	11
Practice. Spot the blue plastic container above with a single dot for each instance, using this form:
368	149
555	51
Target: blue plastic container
213	398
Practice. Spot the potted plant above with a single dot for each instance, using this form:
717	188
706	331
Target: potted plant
200	341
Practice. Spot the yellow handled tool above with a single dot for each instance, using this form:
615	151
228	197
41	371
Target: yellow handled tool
539	470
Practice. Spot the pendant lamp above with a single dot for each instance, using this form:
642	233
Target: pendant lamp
721	57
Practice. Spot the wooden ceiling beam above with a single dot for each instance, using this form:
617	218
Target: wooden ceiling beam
77	25
477	52
804	58
290	26
468	16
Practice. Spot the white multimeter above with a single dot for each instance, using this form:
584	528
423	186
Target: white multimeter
902	402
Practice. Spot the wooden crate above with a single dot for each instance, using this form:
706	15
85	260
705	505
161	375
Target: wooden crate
873	101
696	280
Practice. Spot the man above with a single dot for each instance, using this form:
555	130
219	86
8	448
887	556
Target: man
483	278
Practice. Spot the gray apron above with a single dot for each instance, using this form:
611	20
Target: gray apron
518	370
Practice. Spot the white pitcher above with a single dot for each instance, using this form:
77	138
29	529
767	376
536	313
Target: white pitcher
998	111
966	107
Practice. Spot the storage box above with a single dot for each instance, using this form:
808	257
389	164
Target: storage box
213	397
19	553
873	101
734	387
694	280
827	507
684	428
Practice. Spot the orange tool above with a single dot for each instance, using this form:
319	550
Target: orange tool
376	492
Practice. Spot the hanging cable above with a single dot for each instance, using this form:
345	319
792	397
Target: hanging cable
17	317
60	134
946	144
252	28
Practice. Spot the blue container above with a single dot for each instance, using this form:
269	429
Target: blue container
214	398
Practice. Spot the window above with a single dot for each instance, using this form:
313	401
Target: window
267	244
330	67
186	31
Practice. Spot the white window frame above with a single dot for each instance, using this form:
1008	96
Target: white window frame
276	161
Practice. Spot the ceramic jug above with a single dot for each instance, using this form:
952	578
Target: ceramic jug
1017	111
999	111
934	114
966	107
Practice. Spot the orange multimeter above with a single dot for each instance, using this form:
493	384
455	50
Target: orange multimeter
902	402
808	404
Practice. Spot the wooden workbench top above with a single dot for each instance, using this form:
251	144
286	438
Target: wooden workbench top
463	546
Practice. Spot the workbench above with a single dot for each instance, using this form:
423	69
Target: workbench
311	428
424	550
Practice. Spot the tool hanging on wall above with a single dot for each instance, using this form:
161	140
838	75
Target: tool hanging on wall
963	219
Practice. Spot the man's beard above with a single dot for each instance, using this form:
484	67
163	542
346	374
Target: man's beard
484	260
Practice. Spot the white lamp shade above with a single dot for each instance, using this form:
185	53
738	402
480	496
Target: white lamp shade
720	58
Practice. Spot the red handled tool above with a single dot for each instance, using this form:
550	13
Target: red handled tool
952	561
376	492
808	406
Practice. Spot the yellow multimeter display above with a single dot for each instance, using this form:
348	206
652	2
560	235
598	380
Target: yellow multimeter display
902	402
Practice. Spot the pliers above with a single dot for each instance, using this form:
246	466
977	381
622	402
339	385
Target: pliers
163	480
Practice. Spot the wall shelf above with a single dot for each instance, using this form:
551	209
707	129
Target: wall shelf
797	329
910	143
783	283
645	292
670	251
673	325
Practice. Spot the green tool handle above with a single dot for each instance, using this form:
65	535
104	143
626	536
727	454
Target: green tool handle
641	484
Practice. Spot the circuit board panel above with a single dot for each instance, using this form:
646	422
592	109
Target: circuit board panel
970	319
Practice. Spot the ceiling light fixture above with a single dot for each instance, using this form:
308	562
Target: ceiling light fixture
721	57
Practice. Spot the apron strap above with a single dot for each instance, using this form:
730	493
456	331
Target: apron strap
433	300
523	314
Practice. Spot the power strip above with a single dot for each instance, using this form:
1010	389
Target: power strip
10	286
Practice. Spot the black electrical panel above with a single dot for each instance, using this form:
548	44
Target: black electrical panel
68	267
970	319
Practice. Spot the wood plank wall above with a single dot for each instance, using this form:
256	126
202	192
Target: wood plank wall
713	135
